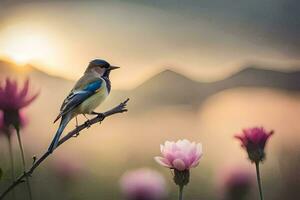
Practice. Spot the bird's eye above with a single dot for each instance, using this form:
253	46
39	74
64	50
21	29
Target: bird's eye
104	66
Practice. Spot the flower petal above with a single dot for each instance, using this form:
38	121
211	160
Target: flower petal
24	91
179	164
195	163
162	161
161	148
28	101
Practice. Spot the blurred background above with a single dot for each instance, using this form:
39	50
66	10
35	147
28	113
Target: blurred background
200	70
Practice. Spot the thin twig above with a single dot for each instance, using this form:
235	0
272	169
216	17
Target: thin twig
118	109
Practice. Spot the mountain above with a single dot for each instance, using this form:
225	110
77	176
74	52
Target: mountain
171	88
10	69
254	76
167	88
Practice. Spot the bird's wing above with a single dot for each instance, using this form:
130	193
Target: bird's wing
76	97
79	86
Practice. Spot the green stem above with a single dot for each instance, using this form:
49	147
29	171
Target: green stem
24	163
11	157
180	192
259	181
12	165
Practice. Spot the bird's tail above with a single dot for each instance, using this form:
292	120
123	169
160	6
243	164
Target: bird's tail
63	123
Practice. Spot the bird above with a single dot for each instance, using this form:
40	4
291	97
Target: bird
87	94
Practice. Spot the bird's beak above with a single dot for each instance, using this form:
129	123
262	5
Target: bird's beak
113	67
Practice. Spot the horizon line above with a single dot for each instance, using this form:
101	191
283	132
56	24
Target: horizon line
247	65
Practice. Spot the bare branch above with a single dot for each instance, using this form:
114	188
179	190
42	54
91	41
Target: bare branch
21	179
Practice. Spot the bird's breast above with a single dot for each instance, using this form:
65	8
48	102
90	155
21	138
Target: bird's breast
93	101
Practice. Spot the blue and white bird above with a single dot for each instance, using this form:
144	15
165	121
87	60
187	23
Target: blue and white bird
87	94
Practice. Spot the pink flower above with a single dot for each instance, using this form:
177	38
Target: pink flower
254	141
143	184
6	130
235	183
181	155
13	100
67	169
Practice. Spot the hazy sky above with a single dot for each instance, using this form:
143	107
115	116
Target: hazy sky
203	39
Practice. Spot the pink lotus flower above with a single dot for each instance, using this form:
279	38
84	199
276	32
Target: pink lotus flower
254	141
143	184
13	100
181	155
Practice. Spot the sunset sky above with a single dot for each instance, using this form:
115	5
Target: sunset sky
205	40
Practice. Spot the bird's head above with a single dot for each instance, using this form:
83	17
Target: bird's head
100	67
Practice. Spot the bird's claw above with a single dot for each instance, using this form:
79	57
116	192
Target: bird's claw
101	116
88	123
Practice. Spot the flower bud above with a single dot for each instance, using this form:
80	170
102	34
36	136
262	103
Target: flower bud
253	140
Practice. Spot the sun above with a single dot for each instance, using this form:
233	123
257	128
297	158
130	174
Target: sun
30	43
20	59
27	48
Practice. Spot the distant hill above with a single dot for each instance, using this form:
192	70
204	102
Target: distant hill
254	76
7	68
168	88
171	88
